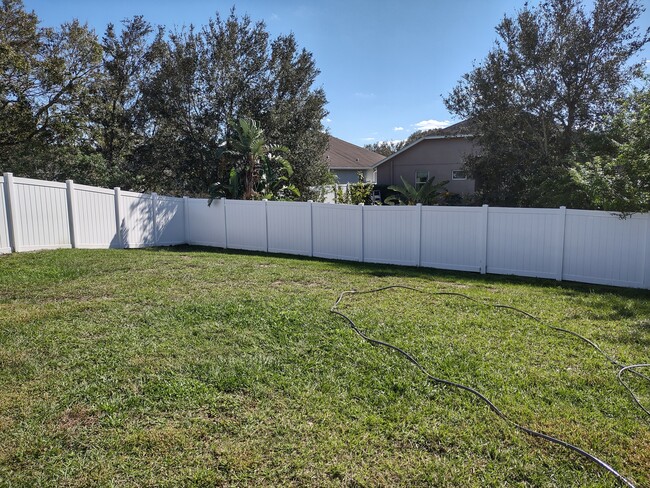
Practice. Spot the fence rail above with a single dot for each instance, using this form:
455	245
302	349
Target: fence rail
562	244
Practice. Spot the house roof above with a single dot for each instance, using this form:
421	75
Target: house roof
459	130
344	155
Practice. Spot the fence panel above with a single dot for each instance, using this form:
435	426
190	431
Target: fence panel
390	235
246	225
170	221
289	227
336	231
524	241
601	248
42	214
450	238
95	217
137	219
5	246
206	224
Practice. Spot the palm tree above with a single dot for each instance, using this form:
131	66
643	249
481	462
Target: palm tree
407	194
256	164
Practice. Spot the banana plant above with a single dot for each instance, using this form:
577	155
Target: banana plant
274	180
232	189
258	170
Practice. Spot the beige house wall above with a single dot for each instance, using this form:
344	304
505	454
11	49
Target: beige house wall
437	156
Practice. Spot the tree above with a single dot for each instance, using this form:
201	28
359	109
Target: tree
259	166
552	78
385	148
294	114
44	77
407	194
115	105
621	181
50	102
228	70
147	110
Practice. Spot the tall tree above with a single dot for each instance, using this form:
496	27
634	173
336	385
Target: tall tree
229	70
553	76
148	111
295	111
116	92
44	77
620	180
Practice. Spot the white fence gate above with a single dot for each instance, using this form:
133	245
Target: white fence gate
577	245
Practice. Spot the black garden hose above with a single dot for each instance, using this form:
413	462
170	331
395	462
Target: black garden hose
623	368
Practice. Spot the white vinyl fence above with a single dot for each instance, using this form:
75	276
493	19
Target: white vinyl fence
577	245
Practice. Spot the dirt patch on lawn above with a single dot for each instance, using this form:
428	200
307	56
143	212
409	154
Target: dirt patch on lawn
78	416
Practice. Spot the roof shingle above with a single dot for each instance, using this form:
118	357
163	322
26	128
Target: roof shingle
344	155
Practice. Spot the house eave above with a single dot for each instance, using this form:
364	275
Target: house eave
350	169
425	138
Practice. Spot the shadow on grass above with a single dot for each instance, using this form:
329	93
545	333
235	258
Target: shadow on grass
395	271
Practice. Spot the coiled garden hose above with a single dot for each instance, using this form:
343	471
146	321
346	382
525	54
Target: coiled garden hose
622	368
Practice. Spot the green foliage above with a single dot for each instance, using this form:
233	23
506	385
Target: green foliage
407	194
621	181
232	189
355	193
228	70
115	109
385	148
257	170
275	178
45	75
155	107
551	79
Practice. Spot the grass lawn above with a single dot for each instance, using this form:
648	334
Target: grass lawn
195	367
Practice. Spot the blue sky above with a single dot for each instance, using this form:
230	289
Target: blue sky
384	64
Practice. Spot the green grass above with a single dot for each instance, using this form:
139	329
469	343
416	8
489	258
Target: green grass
195	367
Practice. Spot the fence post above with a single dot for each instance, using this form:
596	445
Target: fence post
186	219
154	216
72	209
311	227
418	213
559	264
118	218
15	241
225	224
646	274
361	257
483	238
266	223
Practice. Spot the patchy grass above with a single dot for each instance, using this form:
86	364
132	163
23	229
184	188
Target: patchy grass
193	367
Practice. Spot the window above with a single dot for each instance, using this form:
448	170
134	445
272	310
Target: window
421	177
458	174
374	177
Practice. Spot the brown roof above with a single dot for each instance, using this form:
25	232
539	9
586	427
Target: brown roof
343	155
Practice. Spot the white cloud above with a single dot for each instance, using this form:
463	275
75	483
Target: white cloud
398	128
392	142
274	16
365	95
368	139
328	120
431	124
